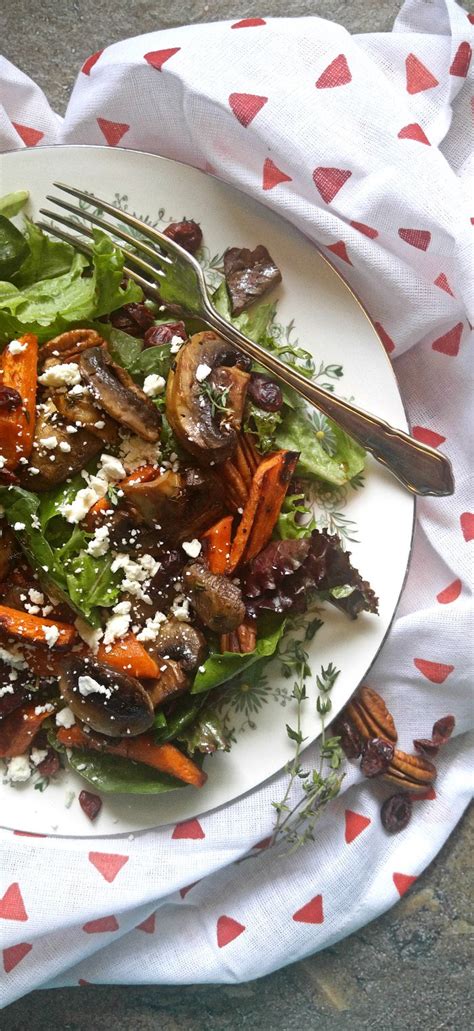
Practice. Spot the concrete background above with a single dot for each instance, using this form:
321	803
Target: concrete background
409	969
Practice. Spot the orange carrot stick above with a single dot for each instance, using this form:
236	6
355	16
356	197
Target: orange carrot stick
18	730
142	749
35	629
129	656
269	486
18	371
218	539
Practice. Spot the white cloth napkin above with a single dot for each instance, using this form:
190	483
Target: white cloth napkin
364	144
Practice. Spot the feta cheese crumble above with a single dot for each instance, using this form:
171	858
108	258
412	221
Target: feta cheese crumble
202	372
152	627
87	685
49	442
66	375
153	385
18	769
51	634
100	543
65	718
192	548
90	636
16	347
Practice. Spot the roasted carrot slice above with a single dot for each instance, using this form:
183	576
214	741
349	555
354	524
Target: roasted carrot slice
18	730
35	629
18	373
141	749
42	663
129	656
269	486
218	539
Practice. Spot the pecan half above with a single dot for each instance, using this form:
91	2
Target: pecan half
369	716
412	772
68	345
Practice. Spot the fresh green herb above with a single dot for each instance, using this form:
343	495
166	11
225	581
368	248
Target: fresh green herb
263	425
217	396
12	203
295	825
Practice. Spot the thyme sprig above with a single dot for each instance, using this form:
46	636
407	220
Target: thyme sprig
295	826
217	396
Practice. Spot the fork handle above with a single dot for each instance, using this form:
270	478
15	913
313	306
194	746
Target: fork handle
420	468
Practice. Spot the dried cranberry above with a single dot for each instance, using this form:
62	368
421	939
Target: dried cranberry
425	746
9	399
443	729
264	393
396	812
158	335
188	234
376	757
133	319
90	804
50	765
351	742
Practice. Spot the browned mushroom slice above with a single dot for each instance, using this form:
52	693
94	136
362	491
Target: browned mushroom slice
249	274
55	465
172	682
200	412
118	394
181	649
178	504
79	410
109	701
216	600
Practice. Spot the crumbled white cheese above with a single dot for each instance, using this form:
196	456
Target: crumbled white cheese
51	634
49	442
100	543
122	608
16	347
192	548
90	636
12	658
99	425
64	445
116	627
65	718
71	429
175	343
76	510
153	385
7	688
87	685
36	596
137	572
111	468
77	390
180	609
39	709
110	471
18	769
202	372
3	461
152	627
38	755
18	526
135	452
66	375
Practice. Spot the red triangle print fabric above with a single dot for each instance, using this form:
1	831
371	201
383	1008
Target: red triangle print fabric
361	144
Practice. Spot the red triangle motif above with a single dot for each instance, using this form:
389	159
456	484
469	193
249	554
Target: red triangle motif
419	78
113	131
419	238
184	891
328	181
227	930
91	61
428	796
157	58
461	60
449	342
366	230
467	526
245	106
29	834
248	23
83	982
188	829
264	843
437	672
386	340
273	176
443	284
12	906
470	18
336	74
450	593
101	926
312	912
14	955
148	925
108	864
355	824
29	136
403	882
339	248
413	132
427	436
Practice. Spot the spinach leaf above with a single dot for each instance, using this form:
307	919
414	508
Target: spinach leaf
12	203
219	668
116	775
91	582
206	734
153	359
13	248
184	712
297	433
124	348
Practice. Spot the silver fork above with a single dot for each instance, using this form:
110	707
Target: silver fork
175	278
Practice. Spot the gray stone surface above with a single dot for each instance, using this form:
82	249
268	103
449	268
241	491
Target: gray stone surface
410	967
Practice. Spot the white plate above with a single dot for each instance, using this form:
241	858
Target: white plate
331	323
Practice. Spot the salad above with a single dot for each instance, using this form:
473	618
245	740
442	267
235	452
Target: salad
156	533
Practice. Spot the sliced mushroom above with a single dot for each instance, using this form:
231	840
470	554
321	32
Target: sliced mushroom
181	649
118	394
249	274
216	600
54	464
79	410
206	429
179	505
118	707
173	681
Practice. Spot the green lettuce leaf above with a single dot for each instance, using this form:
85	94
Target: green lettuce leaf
13	248
206	734
47	259
297	433
12	203
91	582
264	425
113	774
293	510
221	667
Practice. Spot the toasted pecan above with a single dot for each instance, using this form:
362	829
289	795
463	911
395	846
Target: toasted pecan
413	772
